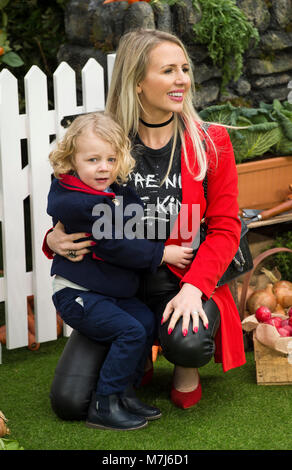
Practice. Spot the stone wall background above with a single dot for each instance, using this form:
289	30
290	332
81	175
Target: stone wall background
94	30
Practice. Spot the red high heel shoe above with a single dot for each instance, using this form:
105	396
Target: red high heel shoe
147	377
186	399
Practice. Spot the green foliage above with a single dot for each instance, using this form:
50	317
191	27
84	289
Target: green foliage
255	131
36	31
282	113
7	56
283	260
227	33
9	444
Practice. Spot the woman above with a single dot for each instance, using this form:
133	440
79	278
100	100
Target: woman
151	96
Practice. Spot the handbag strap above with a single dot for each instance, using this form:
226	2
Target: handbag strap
205	126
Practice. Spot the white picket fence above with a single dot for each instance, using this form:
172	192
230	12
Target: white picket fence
16	183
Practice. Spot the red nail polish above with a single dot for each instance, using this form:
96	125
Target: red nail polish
161	320
88	234
169	331
185	332
207	326
92	243
196	329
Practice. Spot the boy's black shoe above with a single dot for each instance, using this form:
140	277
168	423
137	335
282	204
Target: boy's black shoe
134	405
109	413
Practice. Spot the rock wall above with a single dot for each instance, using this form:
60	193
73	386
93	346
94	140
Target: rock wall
94	29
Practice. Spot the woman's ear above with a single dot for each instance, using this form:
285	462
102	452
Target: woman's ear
138	89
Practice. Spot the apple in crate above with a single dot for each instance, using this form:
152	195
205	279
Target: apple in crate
275	321
263	314
283	331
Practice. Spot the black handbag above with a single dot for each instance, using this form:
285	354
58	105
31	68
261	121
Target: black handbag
242	261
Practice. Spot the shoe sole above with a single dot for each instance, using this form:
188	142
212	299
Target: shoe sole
100	426
152	418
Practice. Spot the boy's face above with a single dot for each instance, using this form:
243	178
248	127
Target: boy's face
95	161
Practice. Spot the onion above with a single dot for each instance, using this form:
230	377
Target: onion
262	298
250	291
283	293
280	309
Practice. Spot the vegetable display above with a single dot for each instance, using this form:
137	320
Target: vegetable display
269	313
266	130
33	345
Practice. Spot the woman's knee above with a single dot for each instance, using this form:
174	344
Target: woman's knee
76	376
194	349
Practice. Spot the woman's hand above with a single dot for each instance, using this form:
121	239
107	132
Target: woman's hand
187	304
64	245
179	256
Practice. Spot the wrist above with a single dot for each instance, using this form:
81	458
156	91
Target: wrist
191	287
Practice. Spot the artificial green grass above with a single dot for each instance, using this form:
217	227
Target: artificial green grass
234	414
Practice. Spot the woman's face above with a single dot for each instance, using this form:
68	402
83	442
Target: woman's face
166	82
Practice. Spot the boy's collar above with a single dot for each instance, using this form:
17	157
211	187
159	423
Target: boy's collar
73	183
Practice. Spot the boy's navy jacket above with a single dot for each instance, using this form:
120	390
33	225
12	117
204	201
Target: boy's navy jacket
112	268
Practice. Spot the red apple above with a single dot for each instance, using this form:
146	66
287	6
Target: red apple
263	314
275	321
288	328
283	332
285	322
289	313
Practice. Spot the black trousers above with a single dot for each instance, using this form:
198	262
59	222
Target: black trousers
78	368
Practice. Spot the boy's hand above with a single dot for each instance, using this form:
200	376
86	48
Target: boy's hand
179	256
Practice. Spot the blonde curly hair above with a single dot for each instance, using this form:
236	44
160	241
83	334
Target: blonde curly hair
107	129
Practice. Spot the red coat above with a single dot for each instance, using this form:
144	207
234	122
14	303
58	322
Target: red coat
216	253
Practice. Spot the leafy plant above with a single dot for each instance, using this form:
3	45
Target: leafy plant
283	260
253	133
7	55
227	33
9	444
282	112
37	30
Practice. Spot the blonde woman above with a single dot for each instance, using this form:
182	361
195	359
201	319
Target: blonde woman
151	96
97	296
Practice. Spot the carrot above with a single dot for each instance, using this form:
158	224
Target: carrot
32	344
59	325
31	323
3	334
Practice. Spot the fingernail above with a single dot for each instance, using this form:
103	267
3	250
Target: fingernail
88	234
185	332
92	243
207	326
161	320
196	329
169	331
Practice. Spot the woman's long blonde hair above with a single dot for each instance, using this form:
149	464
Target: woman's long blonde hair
123	102
106	128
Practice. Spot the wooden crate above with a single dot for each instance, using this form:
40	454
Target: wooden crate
272	367
255	177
